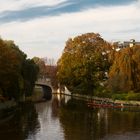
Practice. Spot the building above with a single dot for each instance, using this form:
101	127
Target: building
125	44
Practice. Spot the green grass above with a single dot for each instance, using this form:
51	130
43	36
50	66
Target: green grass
119	96
130	96
127	96
133	96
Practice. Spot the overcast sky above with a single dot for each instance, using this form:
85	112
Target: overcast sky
41	27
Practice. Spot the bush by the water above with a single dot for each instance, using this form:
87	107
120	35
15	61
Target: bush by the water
133	96
127	96
119	96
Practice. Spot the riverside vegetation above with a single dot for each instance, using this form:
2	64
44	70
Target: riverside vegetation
17	73
92	66
89	65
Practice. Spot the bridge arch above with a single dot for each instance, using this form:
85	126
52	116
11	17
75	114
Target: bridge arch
47	90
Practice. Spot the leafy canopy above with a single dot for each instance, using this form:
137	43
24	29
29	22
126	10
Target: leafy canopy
83	63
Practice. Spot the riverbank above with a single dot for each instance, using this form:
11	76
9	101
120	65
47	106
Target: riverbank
89	98
7	104
37	96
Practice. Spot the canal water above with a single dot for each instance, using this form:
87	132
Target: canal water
66	118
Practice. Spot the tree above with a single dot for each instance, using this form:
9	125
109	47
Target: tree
124	75
15	71
11	59
30	72
84	63
42	67
51	71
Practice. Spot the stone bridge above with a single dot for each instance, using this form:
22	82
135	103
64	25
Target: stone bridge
46	86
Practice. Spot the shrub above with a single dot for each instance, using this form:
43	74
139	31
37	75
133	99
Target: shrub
101	92
133	96
119	96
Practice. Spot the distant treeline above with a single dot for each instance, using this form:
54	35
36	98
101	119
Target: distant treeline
17	73
90	65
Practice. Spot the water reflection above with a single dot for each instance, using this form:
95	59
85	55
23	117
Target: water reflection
80	123
20	124
49	121
65	118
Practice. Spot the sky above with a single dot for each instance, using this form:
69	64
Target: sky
41	27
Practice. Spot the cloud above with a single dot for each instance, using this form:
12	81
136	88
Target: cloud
46	36
25	10
12	5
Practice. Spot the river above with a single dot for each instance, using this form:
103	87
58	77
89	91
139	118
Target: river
66	118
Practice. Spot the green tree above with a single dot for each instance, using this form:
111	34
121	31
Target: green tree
30	72
14	70
11	59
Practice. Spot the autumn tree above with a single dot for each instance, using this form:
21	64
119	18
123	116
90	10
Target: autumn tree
124	75
12	77
10	66
42	67
84	63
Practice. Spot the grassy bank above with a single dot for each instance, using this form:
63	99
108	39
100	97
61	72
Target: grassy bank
129	98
